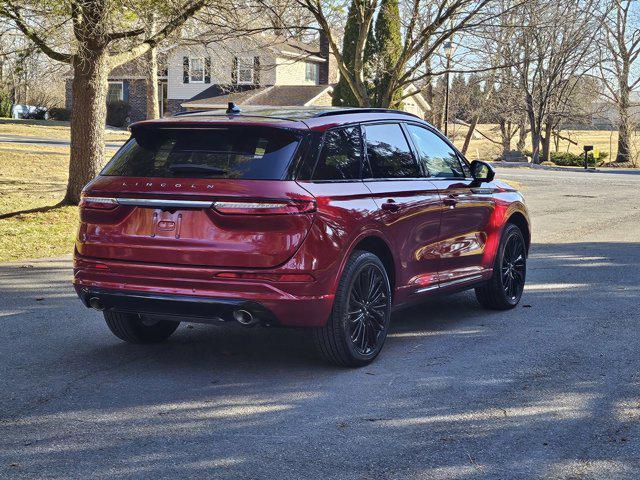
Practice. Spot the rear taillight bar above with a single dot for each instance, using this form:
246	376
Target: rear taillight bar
103	203
154	202
253	207
267	207
98	203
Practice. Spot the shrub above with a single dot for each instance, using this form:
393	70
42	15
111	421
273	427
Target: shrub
567	159
5	105
118	113
57	113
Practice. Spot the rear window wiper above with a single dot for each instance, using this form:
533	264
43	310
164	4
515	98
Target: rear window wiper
189	167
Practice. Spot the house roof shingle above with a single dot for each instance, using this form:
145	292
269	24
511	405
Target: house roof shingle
273	96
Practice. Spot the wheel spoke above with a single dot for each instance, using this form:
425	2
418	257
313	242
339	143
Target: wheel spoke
355	334
363	338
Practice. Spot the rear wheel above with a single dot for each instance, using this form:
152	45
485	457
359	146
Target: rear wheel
505	288
134	328
358	324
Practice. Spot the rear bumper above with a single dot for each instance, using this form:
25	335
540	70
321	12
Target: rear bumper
206	310
193	293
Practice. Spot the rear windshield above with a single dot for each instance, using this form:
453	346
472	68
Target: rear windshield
262	153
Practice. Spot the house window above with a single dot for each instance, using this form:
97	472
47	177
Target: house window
115	93
196	70
245	71
312	72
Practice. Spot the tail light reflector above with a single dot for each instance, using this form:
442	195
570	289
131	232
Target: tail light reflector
99	203
269	277
267	207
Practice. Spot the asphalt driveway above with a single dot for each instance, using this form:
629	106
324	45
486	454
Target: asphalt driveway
548	390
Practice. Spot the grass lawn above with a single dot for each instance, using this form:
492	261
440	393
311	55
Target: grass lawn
481	148
32	177
50	129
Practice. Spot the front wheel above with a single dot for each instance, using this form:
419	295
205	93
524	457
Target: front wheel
134	328
504	290
358	324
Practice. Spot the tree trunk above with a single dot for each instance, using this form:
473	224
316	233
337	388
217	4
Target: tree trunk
428	94
505	134
522	136
88	118
535	130
546	142
469	135
153	107
624	128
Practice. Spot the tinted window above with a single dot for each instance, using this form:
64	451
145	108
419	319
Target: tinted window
439	159
388	152
225	152
341	155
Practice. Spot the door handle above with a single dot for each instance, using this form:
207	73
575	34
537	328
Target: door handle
390	206
450	202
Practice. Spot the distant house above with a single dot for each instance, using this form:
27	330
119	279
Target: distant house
256	71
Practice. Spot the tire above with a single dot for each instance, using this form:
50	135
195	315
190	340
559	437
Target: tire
361	309
132	328
504	290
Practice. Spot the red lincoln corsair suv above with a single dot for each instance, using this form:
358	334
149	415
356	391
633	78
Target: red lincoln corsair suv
303	218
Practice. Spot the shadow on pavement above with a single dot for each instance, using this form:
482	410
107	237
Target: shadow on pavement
549	389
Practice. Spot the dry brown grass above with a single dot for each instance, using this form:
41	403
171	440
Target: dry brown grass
481	148
50	129
34	177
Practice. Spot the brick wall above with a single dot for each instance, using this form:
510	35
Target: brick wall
137	99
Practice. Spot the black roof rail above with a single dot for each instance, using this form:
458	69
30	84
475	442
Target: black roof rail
346	111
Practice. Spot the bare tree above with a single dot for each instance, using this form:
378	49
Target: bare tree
554	50
619	67
427	26
98	44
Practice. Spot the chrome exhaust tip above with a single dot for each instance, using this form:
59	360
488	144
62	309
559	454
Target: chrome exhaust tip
244	318
94	302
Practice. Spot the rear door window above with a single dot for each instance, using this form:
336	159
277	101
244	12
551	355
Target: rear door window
227	152
388	152
341	155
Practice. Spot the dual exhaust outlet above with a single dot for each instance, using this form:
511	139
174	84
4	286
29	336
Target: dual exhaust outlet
243	317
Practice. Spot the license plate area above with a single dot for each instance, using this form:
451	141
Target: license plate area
166	223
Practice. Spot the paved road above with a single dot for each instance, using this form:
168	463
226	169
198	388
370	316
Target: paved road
48	142
548	390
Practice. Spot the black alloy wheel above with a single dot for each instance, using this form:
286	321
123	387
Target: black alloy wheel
367	309
357	327
504	290
514	267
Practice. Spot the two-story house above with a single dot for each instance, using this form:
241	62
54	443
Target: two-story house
255	71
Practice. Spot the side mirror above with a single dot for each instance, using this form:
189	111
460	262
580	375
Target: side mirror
482	172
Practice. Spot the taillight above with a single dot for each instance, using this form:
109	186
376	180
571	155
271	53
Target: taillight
98	203
266	207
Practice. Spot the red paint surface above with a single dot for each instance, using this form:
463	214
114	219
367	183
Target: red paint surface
438	231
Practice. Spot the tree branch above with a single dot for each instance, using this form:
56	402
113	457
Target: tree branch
13	14
151	42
